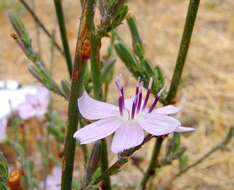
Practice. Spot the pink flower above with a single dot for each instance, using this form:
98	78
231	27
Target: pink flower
3	124
129	120
53	181
35	105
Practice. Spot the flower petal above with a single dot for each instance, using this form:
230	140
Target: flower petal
26	111
157	124
97	130
167	110
31	99
3	125
181	129
127	137
92	109
40	111
44	97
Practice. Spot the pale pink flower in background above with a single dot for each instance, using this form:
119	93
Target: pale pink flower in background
35	105
3	125
129	120
53	181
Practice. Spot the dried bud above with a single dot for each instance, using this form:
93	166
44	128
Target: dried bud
14	35
60	154
85	51
173	101
14	181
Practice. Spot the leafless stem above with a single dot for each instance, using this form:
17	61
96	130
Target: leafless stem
39	22
219	146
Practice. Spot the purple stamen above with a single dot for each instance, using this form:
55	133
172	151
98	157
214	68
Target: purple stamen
133	109
138	85
154	103
139	97
134	104
146	98
119	87
121	102
139	102
156	99
148	93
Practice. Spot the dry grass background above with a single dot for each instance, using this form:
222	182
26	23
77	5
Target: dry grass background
207	95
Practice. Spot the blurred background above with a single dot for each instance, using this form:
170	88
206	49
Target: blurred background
207	90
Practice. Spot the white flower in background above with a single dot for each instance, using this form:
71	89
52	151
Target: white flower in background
12	95
28	100
53	181
3	125
35	105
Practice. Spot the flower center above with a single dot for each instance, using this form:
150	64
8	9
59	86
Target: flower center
126	117
138	105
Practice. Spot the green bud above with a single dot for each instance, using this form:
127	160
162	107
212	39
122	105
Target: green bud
66	86
19	28
119	17
126	56
136	40
44	77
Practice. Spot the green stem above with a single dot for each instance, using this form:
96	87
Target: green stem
184	46
84	147
106	88
106	185
63	33
95	65
153	163
95	69
76	90
73	117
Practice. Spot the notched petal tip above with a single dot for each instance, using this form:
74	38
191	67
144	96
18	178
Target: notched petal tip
181	129
167	110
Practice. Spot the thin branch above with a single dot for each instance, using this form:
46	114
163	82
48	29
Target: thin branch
123	158
220	146
63	34
38	21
